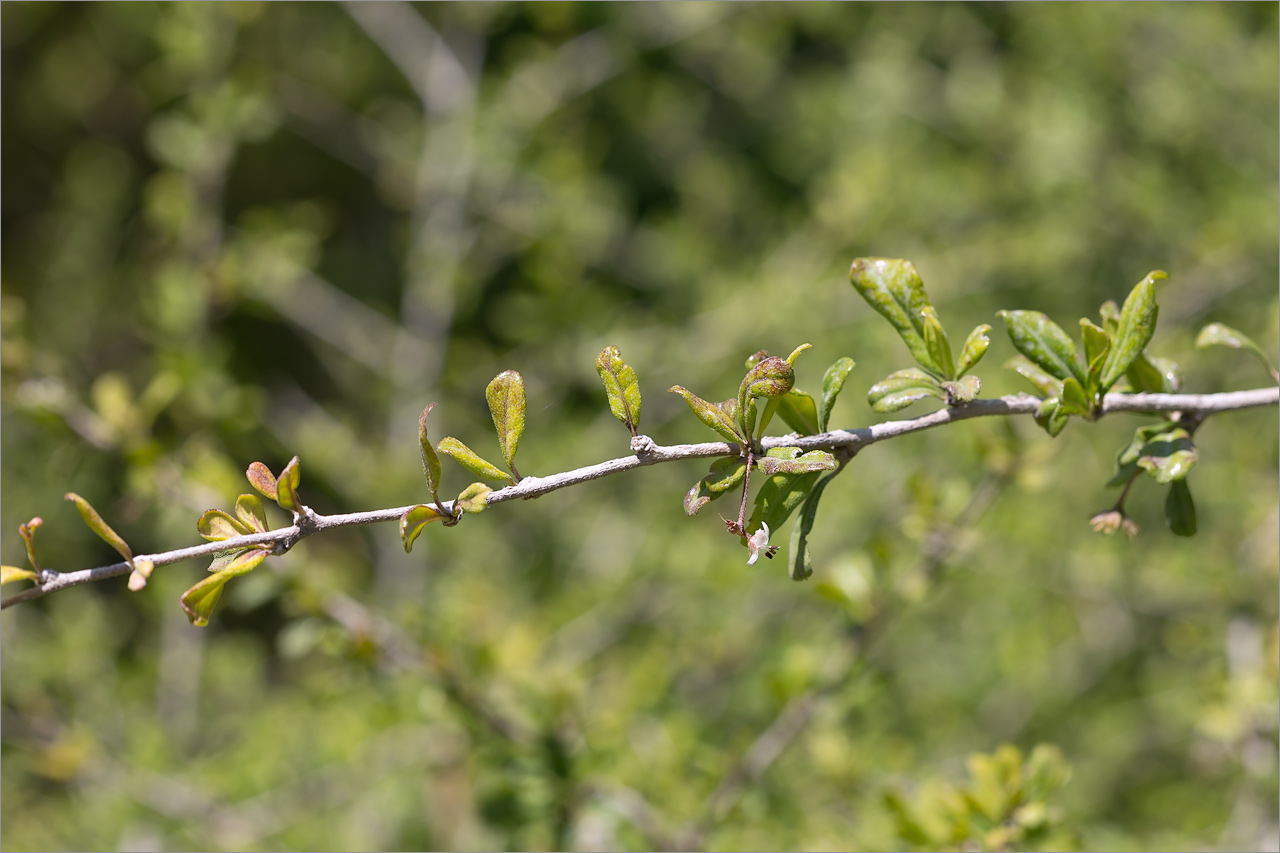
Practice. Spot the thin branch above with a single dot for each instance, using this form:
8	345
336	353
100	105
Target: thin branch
649	453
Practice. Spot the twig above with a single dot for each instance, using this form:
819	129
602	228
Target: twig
1201	405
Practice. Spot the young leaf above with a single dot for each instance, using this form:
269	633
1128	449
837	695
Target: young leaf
1096	347
1074	400
935	341
1036	375
28	533
1148	373
975	347
894	289
287	486
215	526
1216	334
963	390
801	563
791	359
430	461
902	388
814	460
712	414
13	573
261	478
199	601
1127	457
1051	417
100	527
1109	311
469	459
1136	326
506	399
1043	341
780	496
725	473
799	411
620	386
1180	509
474	498
414	520
1168	455
832	384
251	513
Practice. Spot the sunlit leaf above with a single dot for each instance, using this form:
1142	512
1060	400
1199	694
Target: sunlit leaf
935	341
1096	347
1043	341
505	395
781	494
1074	399
474	498
414	521
199	601
141	573
1046	384
287	486
963	390
28	533
975	347
1217	334
100	527
621	387
799	411
469	459
1180	509
814	460
1136	326
712	414
261	478
1051	416
430	461
902	388
216	525
894	289
832	385
251	513
725	473
9	574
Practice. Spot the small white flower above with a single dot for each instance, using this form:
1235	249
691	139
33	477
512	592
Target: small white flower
759	542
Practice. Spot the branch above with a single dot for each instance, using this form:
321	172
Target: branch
646	452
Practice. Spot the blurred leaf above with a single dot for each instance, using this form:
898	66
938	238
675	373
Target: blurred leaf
216	525
506	399
199	601
1043	341
1047	385
799	411
1074	399
251	513
474	498
1180	509
414	521
894	289
725	473
261	478
141	573
430	461
814	460
1109	311
935	341
28	533
469	459
1096	347
1136	326
1217	334
801	561
13	573
287	486
832	384
1051	416
902	388
100	527
711	414
975	347
621	387
1159	375
1168	455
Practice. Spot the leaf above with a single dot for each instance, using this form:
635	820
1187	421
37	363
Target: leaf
801	563
1127	457
814	460
1036	375
474	499
963	390
1144	376
1109	311
28	533
261	478
1180	509
100	527
8	574
1168	455
250	512
894	289
430	461
711	414
975	347
1043	341
725	473
469	459
621	387
506	399
199	601
1136	326
216	525
414	520
287	486
799	411
1074	400
781	494
935	341
902	388
1096	347
832	384
791	359
1217	334
1051	417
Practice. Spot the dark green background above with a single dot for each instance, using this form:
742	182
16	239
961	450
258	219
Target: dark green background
237	232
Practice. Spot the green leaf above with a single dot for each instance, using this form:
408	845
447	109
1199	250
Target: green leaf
1168	455
261	478
474	498
1043	341
725	473
469	459
252	515
975	347
199	601
801	563
1096	347
1136	326
935	341
832	384
1074	399
1216	334
1051	417
1180	509
8	574
963	390
1036	375
781	494
100	527
430	461
814	460
287	486
1148	374
216	525
720	417
621	387
1109	311
894	289
414	520
799	411
902	388
506	399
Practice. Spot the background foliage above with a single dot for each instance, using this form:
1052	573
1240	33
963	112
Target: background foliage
237	231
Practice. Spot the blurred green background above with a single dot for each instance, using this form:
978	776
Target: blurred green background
237	232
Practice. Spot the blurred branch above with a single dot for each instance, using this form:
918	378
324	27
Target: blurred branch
646	452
